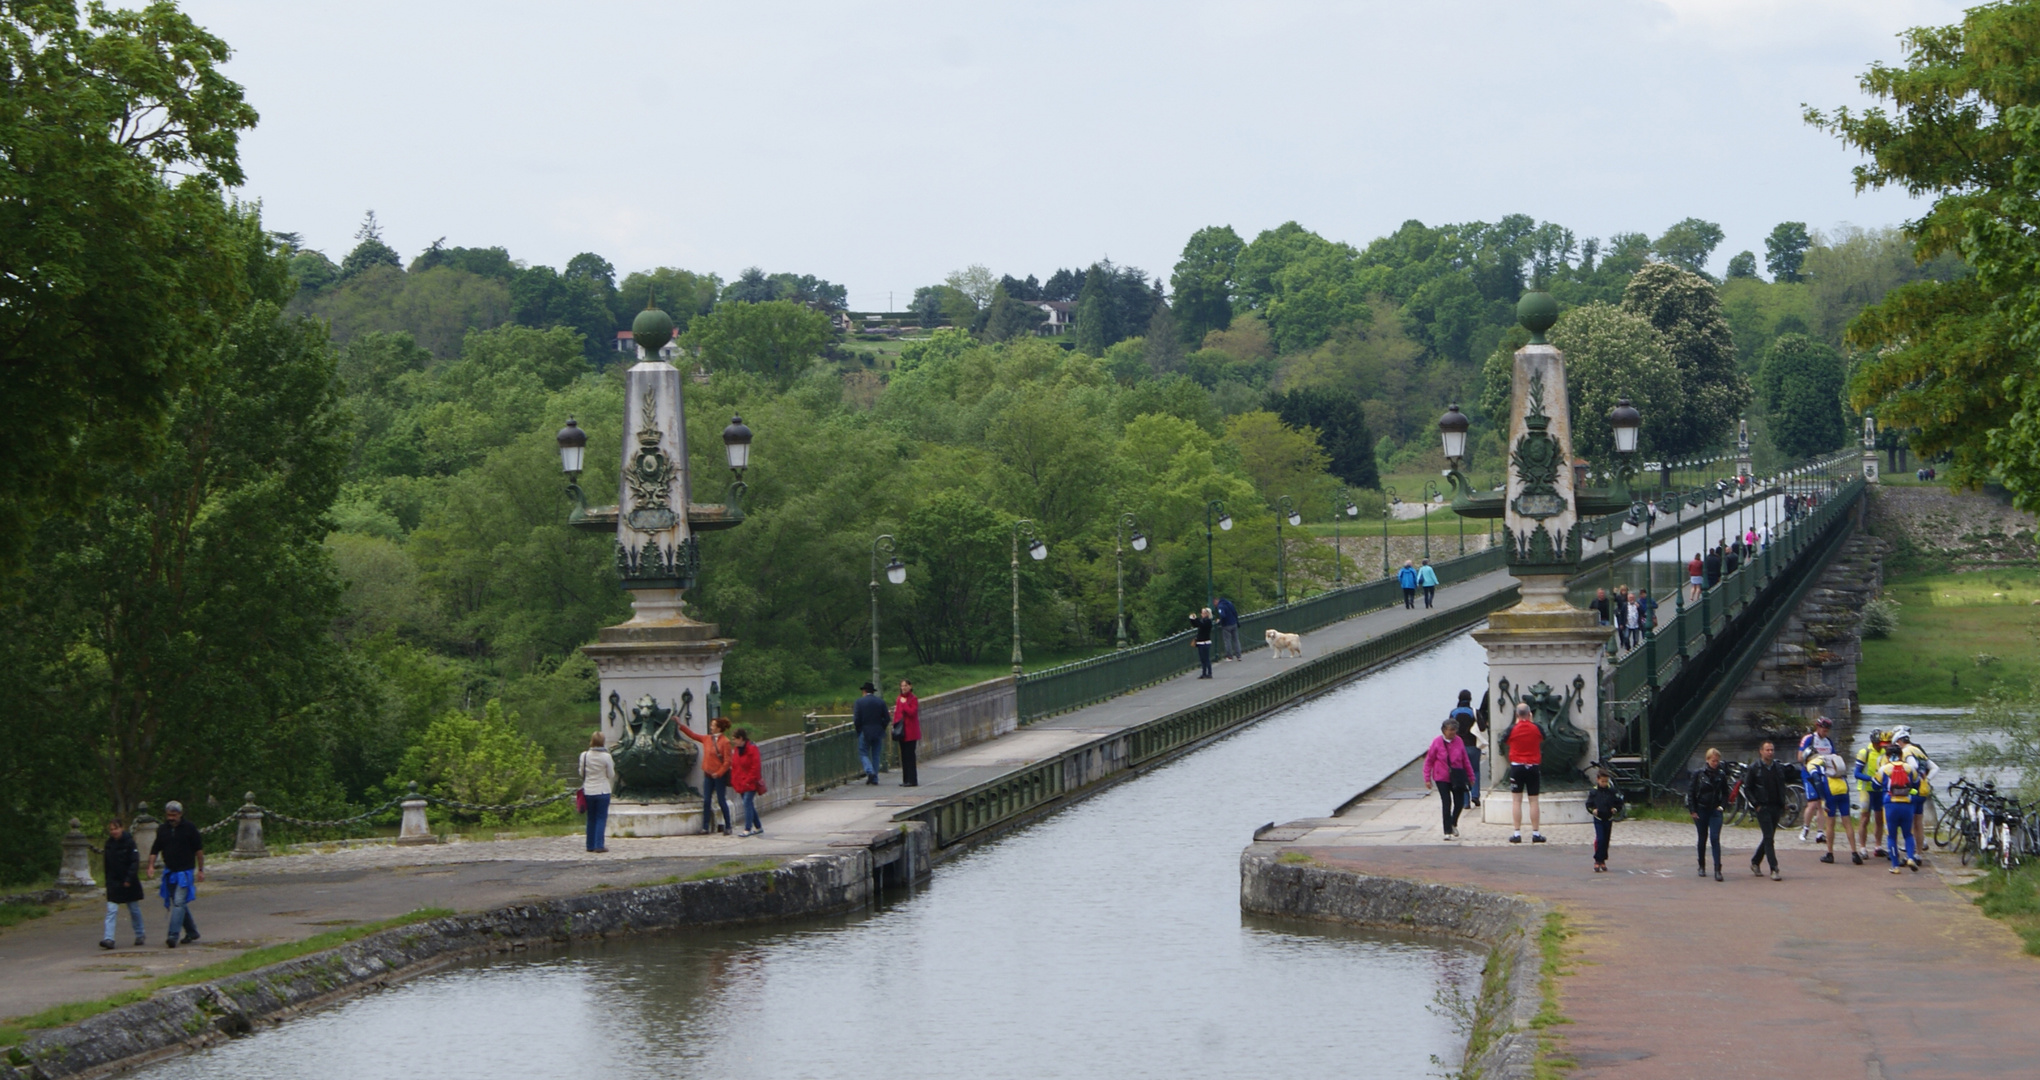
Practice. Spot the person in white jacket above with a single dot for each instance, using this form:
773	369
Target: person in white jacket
598	778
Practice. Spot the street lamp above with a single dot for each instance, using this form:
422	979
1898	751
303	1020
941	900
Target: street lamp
1224	522
1432	493
1140	543
1035	550
1339	552
895	572
737	447
1391	500
1285	510
573	449
1452	429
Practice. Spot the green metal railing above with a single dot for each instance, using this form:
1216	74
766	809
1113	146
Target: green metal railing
1086	682
1017	794
832	757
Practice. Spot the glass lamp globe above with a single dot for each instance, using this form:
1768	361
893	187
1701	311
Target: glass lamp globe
896	572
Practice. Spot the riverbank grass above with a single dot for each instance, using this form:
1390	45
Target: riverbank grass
13	1031
1551	938
1958	635
2014	899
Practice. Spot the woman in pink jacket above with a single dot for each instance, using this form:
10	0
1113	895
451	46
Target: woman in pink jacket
1446	765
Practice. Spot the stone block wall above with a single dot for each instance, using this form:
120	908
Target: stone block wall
1956	529
967	716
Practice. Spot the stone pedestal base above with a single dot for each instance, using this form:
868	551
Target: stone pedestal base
1553	808
655	819
414	829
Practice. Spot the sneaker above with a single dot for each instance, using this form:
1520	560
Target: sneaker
1775	877
106	943
1537	838
1913	865
140	941
1515	838
1803	830
1756	870
1820	837
1877	852
1827	857
1856	857
1717	873
172	943
1894	869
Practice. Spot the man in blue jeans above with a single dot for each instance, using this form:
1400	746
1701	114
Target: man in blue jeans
183	850
870	718
1228	627
1408	580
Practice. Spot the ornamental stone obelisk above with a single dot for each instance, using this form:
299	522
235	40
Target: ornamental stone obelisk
1543	652
661	668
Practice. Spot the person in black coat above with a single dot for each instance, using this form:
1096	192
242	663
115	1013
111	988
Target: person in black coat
123	882
870	718
1769	782
1706	800
1603	803
1201	622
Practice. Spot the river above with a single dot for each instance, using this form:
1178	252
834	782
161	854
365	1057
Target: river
1106	940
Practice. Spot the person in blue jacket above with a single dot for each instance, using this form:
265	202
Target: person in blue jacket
1408	580
1228	627
1428	578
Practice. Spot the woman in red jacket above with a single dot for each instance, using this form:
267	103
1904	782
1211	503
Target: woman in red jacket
747	778
906	722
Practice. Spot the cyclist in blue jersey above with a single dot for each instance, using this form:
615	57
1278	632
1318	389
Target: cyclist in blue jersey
1830	776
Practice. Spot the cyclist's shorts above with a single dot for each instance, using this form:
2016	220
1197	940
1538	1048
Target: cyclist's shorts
1838	805
1812	788
1524	779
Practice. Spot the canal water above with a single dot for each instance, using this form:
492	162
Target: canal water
1106	940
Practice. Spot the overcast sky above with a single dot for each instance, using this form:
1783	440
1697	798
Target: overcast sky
881	145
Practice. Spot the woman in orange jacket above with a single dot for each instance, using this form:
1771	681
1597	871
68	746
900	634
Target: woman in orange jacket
715	771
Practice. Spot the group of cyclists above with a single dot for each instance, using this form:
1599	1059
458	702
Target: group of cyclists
1892	778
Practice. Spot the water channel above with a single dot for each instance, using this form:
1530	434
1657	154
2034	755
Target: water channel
1104	941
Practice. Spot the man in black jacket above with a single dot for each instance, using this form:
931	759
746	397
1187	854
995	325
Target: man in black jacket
183	849
1770	782
123	882
870	718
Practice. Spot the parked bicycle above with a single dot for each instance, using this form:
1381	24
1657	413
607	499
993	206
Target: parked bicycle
1987	826
1741	807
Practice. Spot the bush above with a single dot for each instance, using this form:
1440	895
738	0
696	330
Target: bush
481	759
1880	617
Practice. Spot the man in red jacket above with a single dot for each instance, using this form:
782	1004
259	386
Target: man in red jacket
1526	761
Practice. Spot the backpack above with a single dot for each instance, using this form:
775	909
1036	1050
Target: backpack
1901	781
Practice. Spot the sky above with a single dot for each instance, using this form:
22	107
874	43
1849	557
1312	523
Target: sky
882	145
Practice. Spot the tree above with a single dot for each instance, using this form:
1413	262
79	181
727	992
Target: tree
1279	459
960	546
369	250
1685	308
1342	432
1612	354
1785	250
1063	285
1097	318
975	282
543	297
1689	244
1203	281
1010	317
777	339
479	759
1744	265
680	293
1802	382
489	262
119	132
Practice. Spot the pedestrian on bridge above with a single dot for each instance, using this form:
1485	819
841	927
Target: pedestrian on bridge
1228	627
1446	765
715	771
1603	803
1463	715
598	779
1407	578
1706	800
1526	760
1646	610
870	719
1200	626
1427	578
1695	578
123	883
1600	606
1770	783
747	778
182	847
907	732
1712	566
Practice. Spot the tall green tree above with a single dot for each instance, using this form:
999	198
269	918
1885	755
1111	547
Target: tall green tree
778	339
1612	354
369	251
1785	250
1689	244
1341	428
118	133
1203	282
1802	381
1743	265
1684	307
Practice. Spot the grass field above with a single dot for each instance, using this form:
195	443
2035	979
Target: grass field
1958	635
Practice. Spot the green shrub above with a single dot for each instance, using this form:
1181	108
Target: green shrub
1880	617
480	759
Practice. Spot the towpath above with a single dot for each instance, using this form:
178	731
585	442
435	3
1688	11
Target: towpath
249	904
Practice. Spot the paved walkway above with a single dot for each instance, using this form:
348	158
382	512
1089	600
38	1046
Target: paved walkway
1836	971
249	904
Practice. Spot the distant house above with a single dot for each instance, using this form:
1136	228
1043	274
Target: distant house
626	343
1061	314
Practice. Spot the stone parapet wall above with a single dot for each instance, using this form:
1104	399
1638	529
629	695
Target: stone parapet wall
783	767
967	716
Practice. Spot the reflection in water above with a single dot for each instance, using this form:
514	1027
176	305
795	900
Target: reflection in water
1104	941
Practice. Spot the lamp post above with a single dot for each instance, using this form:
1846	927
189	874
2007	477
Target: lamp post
1452	429
1432	493
1037	551
1338	551
1140	542
1224	522
1285	510
1389	500
895	572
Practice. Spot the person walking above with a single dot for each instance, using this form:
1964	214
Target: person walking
1711	569
870	719
598	779
183	850
1603	803
1427	579
1407	578
1705	800
1200	623
1695	577
123	883
1526	759
747	778
1632	625
1646	610
1463	715
1228	627
1446	765
906	722
1600	607
1922	769
1770	783
715	771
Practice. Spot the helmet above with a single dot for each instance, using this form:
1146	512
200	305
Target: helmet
1876	736
1902	731
1823	721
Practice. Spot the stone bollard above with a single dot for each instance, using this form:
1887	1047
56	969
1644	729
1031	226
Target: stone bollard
77	869
415	830
144	828
248	833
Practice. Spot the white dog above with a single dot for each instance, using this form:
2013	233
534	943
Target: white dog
1279	643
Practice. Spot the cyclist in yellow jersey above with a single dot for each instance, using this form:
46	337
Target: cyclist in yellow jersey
1871	789
1898	810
